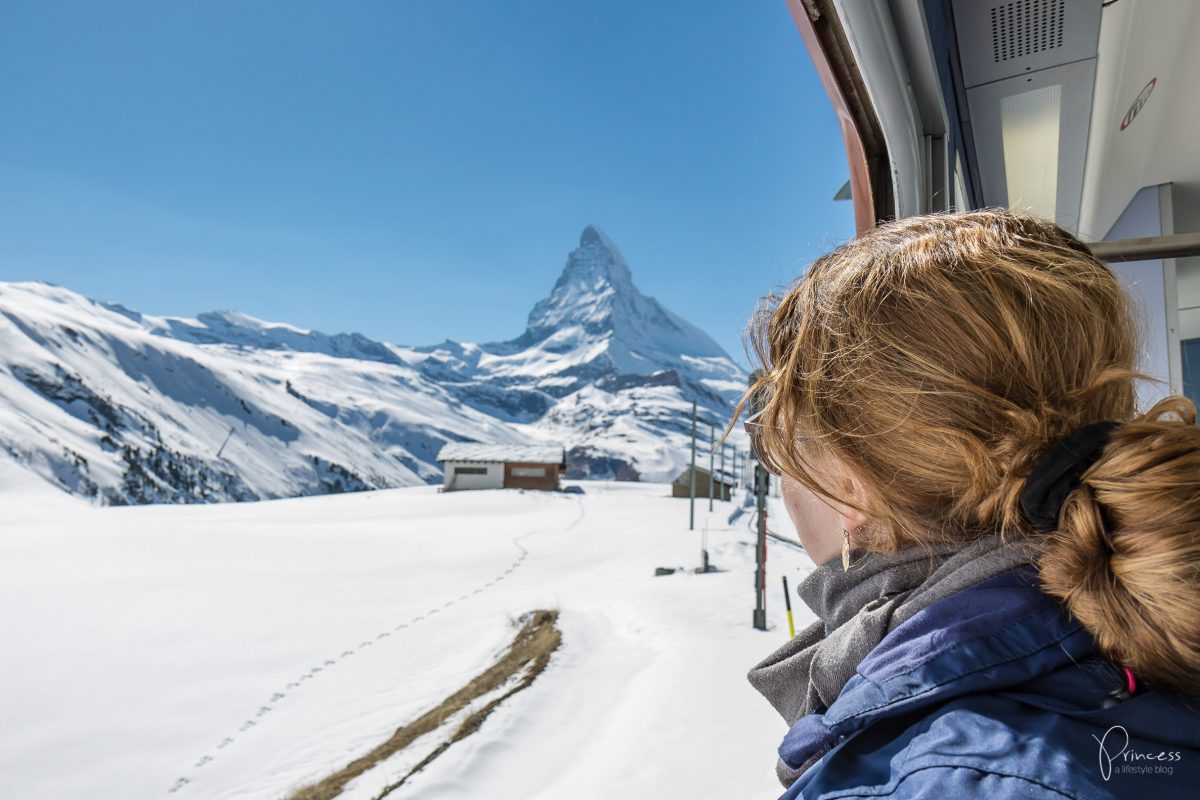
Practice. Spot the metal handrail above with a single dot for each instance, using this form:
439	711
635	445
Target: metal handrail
1180	245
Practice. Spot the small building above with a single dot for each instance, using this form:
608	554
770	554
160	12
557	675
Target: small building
722	488
471	465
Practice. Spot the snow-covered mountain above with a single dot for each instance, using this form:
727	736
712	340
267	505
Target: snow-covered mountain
129	408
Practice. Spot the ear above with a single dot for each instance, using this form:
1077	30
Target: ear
851	518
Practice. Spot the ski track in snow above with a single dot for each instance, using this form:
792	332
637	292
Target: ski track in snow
282	694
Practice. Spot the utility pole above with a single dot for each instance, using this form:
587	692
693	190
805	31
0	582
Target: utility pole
762	485
712	477
692	501
723	478
761	482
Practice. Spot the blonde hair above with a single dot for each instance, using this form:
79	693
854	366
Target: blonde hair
935	358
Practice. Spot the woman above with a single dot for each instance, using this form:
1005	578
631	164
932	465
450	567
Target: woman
1008	588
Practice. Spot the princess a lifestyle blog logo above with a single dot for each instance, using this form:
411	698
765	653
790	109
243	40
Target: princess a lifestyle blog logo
1125	761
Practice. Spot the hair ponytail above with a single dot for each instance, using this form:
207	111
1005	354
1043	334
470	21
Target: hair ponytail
1125	559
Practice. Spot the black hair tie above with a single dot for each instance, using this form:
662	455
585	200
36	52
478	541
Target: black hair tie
1058	473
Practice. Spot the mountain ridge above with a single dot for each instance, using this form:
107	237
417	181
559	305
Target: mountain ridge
122	406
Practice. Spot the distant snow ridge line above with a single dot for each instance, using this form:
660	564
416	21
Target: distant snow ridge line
124	407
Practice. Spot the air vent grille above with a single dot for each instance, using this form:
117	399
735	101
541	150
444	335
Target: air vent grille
1024	27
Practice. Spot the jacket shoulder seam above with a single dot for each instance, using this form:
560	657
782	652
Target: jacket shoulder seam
893	788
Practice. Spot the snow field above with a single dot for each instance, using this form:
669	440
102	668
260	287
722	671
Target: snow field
243	650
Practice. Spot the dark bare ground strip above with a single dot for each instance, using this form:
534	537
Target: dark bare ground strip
530	651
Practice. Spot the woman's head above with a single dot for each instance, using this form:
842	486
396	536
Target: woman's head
934	359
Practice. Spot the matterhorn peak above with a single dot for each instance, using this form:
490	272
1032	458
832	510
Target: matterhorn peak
596	262
594	236
595	296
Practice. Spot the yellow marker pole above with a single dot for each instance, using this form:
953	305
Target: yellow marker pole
787	601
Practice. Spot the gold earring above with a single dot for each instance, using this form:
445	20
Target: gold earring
845	550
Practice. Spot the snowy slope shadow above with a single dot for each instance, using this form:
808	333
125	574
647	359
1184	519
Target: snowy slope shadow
456	717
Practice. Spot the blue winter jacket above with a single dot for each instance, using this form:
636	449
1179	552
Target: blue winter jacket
996	692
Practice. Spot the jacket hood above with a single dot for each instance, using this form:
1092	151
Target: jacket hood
1000	635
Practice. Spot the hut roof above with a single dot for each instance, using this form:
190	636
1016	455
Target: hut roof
479	451
702	472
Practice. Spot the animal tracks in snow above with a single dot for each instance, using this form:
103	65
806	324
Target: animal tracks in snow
330	663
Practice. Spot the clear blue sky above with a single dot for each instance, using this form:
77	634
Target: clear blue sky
412	170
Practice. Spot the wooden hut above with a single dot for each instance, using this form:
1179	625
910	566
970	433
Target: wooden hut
722	485
473	465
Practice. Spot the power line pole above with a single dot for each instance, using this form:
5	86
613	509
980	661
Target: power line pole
723	478
762	480
692	501
712	477
762	485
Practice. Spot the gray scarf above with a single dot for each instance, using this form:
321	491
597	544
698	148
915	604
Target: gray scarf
856	609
